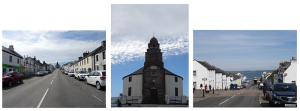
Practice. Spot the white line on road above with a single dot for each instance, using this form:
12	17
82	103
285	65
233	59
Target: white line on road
82	88
42	99
97	98
52	81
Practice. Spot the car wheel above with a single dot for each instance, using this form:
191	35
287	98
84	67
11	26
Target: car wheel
98	86
21	80
85	81
78	78
74	77
9	83
271	103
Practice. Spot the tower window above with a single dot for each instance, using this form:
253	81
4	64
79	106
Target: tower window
176	91
153	45
130	79
129	91
153	73
176	79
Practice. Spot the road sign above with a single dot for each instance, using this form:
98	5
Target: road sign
204	79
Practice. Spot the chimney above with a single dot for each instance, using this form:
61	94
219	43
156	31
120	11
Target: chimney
103	43
84	54
34	56
11	47
79	58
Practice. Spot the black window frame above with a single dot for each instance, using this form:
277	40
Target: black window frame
97	58
176	91
194	74
176	79
18	61
10	58
130	79
129	91
103	55
104	67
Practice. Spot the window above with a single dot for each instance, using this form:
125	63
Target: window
153	73
10	58
4	70
176	79
176	91
18	61
96	57
87	60
103	54
129	91
130	79
104	67
194	73
97	67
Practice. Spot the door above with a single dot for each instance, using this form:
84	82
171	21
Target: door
154	98
92	78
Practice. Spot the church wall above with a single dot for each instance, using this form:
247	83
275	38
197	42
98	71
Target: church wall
158	81
135	84
171	85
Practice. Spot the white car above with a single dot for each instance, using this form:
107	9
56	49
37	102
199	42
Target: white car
40	73
80	74
71	73
97	78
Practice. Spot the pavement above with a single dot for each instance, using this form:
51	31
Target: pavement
155	105
55	90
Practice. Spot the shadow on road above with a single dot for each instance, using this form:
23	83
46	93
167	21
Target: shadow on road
5	87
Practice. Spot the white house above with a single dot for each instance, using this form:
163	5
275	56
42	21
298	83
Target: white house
290	74
11	60
199	72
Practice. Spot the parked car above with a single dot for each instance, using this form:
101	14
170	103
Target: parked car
49	71
233	86
80	74
71	73
10	77
283	94
115	102
62	71
238	87
46	72
97	78
40	73
66	72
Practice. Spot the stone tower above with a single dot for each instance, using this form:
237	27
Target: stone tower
153	75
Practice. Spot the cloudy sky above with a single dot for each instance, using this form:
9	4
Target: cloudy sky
132	28
53	46
238	50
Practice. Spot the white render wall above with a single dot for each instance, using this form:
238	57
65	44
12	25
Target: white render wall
291	73
224	81
218	81
171	85
211	79
228	81
100	61
201	72
135	84
5	60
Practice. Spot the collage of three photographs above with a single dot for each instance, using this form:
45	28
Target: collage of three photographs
150	64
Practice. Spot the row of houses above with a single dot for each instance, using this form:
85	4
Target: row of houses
13	61
285	73
204	73
89	61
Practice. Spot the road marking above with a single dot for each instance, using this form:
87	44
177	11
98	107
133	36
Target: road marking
42	99
82	88
97	98
52	81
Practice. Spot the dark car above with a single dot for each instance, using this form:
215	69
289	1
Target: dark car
283	94
233	86
10	77
115	102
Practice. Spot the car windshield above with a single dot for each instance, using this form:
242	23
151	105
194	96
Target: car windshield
82	72
40	72
103	73
7	74
285	87
114	101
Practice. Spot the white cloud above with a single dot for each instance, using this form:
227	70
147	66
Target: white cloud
46	46
135	49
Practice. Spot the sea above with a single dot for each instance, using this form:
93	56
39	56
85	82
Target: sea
251	75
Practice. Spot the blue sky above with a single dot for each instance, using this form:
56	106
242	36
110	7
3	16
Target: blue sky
53	45
240	50
132	28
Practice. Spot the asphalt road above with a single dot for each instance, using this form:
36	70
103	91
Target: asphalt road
247	97
54	90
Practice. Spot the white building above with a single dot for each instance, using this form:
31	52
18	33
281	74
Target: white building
11	60
153	84
199	72
290	73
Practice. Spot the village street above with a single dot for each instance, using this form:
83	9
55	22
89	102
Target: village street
250	96
55	90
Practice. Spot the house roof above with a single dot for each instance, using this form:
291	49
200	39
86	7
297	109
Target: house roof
140	71
206	65
11	52
97	50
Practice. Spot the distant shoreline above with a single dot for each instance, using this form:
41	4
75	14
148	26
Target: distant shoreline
253	71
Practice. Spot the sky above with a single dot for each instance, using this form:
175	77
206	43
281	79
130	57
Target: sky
60	46
244	50
132	28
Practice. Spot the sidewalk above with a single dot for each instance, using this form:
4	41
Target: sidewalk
155	105
198	95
